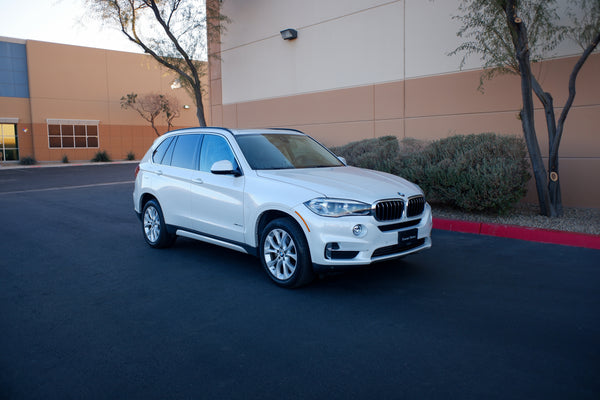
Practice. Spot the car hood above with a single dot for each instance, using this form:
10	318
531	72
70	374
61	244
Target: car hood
346	183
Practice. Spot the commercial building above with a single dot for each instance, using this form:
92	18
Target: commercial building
368	68
59	100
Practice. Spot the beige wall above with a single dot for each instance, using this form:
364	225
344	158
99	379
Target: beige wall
79	83
434	107
363	69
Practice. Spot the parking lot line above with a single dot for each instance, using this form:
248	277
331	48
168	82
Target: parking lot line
66	187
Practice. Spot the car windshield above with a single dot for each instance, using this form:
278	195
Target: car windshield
285	151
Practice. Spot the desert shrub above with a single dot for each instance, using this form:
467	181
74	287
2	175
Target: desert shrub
484	172
379	154
27	161
130	156
65	159
101	156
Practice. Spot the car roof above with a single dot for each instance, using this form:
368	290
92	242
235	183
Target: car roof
236	132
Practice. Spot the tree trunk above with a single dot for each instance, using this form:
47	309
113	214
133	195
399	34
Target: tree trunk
545	98
199	105
520	41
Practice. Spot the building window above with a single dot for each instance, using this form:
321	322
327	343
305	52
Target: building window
13	69
70	134
9	142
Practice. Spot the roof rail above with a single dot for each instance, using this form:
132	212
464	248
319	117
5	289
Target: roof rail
202	127
219	127
288	129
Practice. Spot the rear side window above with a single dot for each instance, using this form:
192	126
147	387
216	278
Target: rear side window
184	153
161	150
215	148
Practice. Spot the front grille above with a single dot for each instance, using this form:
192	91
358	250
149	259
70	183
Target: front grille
397	248
416	205
389	210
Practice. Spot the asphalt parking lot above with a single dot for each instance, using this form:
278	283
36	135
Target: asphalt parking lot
89	311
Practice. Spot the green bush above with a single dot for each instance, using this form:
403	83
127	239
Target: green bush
65	159
130	156
484	172
101	156
27	161
379	154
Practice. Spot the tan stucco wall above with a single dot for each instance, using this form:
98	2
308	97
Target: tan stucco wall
79	83
435	107
412	89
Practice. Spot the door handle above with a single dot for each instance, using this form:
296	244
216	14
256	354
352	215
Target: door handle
197	180
159	172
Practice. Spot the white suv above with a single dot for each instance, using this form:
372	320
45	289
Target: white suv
277	194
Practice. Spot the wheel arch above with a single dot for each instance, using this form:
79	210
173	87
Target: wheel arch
270	215
146	197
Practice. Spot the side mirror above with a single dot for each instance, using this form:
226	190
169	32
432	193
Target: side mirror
343	160
224	167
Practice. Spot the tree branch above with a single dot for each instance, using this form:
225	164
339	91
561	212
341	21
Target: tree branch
572	92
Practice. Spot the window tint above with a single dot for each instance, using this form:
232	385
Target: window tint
184	154
285	151
161	150
215	148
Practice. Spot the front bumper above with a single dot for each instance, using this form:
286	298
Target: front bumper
334	246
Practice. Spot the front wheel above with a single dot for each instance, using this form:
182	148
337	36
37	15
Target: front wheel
153	226
284	253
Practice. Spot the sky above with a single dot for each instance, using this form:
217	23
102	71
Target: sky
59	21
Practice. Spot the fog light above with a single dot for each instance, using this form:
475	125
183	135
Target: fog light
359	230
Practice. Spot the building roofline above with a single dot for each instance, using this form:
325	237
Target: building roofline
12	40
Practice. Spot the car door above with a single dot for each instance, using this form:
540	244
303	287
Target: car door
173	177
217	201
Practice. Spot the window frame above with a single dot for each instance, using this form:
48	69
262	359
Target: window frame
75	136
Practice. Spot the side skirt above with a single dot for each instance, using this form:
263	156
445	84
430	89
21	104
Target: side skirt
242	248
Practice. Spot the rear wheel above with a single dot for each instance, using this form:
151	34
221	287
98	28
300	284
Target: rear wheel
153	226
284	253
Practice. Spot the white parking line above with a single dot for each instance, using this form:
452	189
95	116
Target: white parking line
67	187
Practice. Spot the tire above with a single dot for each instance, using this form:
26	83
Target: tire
154	228
284	254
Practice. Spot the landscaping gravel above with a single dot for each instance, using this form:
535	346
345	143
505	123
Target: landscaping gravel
583	220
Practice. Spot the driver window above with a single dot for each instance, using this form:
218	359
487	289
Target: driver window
215	148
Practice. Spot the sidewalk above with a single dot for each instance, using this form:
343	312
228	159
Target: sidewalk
520	233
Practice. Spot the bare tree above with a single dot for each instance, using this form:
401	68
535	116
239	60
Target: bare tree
170	108
510	35
174	32
150	106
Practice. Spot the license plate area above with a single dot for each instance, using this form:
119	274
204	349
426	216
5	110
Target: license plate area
408	238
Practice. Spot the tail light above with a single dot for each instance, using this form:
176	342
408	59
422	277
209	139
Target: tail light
137	170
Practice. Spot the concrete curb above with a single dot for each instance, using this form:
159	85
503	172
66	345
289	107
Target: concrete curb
520	233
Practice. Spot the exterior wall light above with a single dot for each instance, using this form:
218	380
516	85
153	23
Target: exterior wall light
289	34
186	106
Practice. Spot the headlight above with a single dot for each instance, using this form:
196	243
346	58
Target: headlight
337	207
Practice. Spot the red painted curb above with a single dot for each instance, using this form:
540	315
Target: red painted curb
520	233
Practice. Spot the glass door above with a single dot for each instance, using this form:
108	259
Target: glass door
9	146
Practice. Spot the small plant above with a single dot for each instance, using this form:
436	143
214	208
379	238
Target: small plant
65	159
28	161
101	156
130	156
